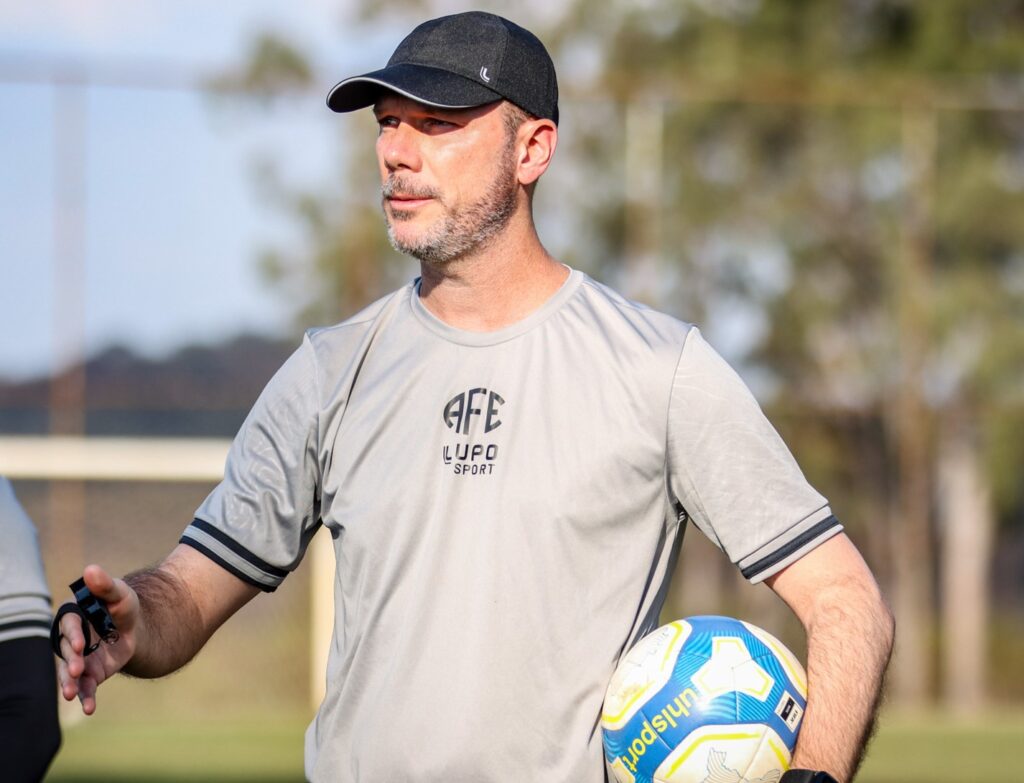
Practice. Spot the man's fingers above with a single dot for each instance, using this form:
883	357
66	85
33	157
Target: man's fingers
72	634
74	662
72	644
87	694
82	685
103	585
118	597
68	684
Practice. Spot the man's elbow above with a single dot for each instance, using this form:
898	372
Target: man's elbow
881	620
887	625
857	601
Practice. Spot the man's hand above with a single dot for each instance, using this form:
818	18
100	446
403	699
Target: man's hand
163	616
80	675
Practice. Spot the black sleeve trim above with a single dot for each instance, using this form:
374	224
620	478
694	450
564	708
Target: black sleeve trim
238	549
226	565
790	547
12	626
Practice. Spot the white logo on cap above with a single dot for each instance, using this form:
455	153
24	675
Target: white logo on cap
483	74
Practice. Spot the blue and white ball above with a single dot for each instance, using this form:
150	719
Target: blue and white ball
704	700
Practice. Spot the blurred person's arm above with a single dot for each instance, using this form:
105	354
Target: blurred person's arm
29	728
849	639
163	617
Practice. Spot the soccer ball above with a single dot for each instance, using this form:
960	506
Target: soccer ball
704	700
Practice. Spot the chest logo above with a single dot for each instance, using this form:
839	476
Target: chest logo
472	416
461	409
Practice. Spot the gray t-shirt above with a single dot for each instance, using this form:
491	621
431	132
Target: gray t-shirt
506	508
24	596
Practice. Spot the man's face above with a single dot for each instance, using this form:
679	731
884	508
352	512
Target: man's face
449	177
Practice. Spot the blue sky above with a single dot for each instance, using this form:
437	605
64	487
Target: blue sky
172	219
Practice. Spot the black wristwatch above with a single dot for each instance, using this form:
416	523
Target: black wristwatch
807	776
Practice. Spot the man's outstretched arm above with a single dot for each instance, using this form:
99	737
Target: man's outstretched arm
849	639
163	616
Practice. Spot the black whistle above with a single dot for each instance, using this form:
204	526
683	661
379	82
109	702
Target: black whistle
95	611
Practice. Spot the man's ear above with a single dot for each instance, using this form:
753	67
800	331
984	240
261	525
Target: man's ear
536	142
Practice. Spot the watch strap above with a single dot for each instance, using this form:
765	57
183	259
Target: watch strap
807	776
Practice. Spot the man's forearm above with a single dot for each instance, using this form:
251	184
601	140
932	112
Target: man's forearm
170	630
849	640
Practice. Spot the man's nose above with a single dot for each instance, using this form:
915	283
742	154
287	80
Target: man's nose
400	148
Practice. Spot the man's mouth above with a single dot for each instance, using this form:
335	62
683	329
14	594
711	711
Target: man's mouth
401	195
406	201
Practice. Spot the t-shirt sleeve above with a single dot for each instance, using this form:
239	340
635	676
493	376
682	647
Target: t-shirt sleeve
257	522
733	474
24	596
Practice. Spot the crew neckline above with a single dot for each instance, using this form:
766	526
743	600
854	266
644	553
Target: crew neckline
467	337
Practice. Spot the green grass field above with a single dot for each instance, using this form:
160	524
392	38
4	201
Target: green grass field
256	751
907	749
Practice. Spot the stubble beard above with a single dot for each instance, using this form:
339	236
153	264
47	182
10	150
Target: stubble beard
461	231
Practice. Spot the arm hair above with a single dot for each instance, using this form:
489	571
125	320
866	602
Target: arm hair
848	648
181	603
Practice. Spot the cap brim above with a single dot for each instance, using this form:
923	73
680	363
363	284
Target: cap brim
431	86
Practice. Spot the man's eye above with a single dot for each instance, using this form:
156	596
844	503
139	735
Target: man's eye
434	122
386	122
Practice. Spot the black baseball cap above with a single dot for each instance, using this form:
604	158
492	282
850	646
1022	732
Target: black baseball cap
460	61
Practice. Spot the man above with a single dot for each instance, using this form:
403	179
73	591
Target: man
29	731
505	453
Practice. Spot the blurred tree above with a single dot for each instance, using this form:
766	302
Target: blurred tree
344	260
272	67
812	153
